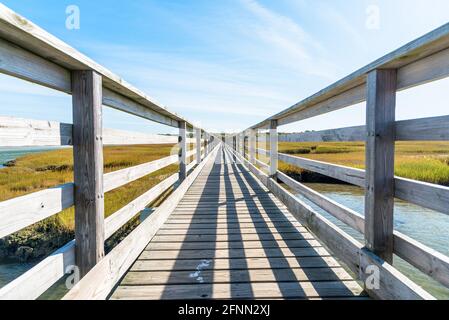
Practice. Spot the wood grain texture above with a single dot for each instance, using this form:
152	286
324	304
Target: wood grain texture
116	179
22	33
232	247
182	143
379	162
88	169
98	283
394	285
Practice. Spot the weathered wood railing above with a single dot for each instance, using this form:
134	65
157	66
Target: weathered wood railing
421	61
29	53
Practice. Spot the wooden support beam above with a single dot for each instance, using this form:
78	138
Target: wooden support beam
198	145
182	150
252	146
273	148
88	169
379	196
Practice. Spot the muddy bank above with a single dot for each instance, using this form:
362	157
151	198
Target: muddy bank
312	177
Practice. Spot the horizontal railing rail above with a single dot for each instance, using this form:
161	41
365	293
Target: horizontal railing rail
29	53
421	61
393	285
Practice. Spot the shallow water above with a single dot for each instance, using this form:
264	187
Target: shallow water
426	226
8	154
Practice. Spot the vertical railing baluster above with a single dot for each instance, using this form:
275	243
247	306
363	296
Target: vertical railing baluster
182	139
198	145
252	146
273	148
380	143
88	169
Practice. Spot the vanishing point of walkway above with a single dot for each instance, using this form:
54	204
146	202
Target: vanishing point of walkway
231	238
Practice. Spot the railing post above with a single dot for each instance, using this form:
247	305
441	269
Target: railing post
241	142
182	150
88	169
252	146
380	143
198	145
273	148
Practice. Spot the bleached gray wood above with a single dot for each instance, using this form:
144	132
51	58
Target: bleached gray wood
33	283
98	283
394	285
21	212
428	260
182	140
424	194
17	132
380	144
425	129
348	216
418	62
342	173
118	219
198	144
252	146
343	134
120	137
88	169
273	148
27	35
116	179
20	63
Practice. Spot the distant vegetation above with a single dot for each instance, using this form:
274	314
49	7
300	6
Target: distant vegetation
423	161
40	171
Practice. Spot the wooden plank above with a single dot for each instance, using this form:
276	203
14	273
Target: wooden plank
117	220
17	132
117	101
235	276
343	134
232	253
348	249
120	137
232	237
239	230
273	148
252	146
424	194
198	144
267	244
25	34
116	179
88	169
235	264
98	283
418	62
380	146
182	141
21	212
264	290
19	63
33	283
344	99
425	129
348	216
342	173
428	260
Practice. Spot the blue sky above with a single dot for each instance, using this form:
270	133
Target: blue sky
231	63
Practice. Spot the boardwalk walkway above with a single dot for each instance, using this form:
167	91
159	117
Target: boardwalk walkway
231	238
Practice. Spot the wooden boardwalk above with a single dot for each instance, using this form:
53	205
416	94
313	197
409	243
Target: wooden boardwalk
230	237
